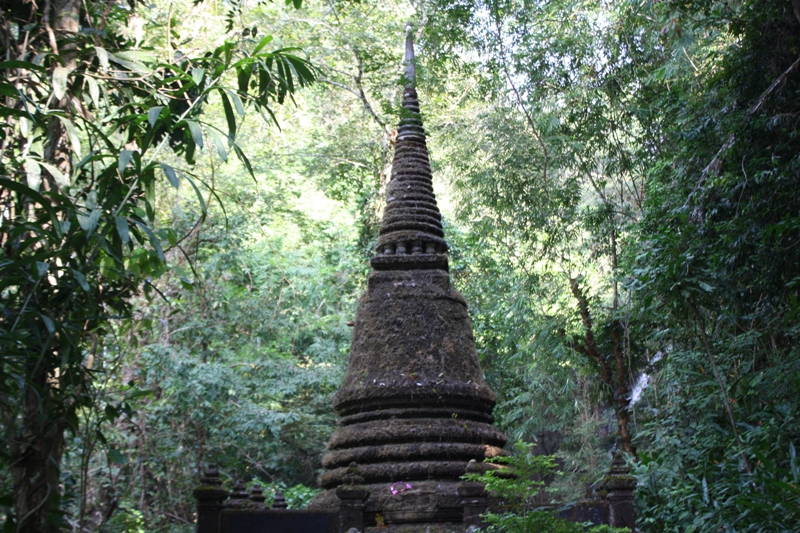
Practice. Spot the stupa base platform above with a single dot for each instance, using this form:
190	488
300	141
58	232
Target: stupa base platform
418	528
428	505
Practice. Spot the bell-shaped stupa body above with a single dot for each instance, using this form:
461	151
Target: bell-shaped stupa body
414	408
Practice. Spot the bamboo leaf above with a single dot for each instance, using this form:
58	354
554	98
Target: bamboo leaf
124	158
153	113
33	173
237	102
153	240
81	279
72	133
196	131
198	74
88	222
62	180
94	90
102	57
229	118
122	229
199	195
60	75
171	175
219	143
262	43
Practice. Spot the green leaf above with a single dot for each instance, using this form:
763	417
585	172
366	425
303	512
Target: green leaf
6	89
150	199
94	90
705	286
132	60
25	126
219	143
124	158
42	268
243	158
26	65
137	55
243	74
102	57
116	456
199	195
196	131
34	195
122	229
153	240
153	114
62	180
33	174
263	42
171	175
237	102
72	133
89	222
226	105
60	75
198	74
48	322
81	279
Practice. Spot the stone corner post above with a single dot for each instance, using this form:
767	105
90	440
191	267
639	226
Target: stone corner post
474	499
620	485
352	500
210	497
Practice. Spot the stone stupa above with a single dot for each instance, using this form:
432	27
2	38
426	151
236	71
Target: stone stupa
414	408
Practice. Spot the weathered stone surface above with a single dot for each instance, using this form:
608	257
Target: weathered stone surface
414	407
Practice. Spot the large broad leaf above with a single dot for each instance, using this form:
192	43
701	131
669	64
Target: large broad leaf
153	114
171	175
196	132
88	222
125	157
36	197
122	229
219	143
60	75
26	65
62	180
230	119
153	240
33	173
94	90
198	75
264	42
72	133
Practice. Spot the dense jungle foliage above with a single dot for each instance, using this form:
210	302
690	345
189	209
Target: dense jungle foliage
190	192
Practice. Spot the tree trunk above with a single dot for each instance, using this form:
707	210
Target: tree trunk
621	393
36	459
36	433
614	377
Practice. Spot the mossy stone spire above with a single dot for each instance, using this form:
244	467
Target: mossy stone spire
414	407
411	235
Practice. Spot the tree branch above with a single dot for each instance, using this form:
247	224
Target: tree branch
723	390
519	98
716	163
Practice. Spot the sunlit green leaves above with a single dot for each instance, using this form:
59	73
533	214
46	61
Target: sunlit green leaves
86	131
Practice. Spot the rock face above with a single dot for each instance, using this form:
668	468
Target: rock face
414	408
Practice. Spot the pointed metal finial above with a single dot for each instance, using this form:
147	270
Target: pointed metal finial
409	69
